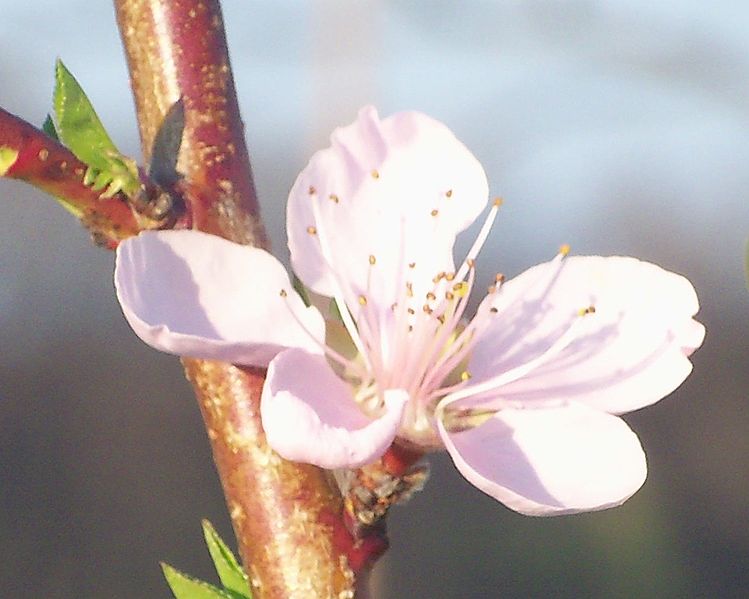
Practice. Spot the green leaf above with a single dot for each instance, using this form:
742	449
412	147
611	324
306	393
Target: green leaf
49	128
80	129
186	587
229	571
299	287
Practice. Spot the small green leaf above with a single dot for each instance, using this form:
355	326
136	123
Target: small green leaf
299	287
229	571
186	587
49	128
80	129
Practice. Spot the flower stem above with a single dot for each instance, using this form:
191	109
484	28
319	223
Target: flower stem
286	516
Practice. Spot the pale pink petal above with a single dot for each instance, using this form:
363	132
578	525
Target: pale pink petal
197	295
309	414
394	192
630	353
547	462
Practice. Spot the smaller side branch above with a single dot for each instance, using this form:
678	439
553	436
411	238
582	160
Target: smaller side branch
29	155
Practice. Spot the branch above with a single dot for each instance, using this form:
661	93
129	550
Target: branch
29	155
286	517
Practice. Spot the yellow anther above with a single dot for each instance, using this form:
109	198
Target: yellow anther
498	202
410	289
283	293
434	212
564	249
449	193
375	174
471	262
372	259
362	300
412	265
461	289
588	310
312	230
427	309
465	375
449	296
411	311
499	278
334	198
449	276
431	296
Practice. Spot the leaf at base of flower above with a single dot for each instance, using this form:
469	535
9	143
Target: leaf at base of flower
186	587
229	571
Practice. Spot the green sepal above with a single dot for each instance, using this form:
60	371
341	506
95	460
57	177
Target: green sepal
186	587
80	129
49	128
299	287
229	571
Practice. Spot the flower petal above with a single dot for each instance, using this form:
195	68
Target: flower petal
309	414
398	190
630	353
548	462
198	295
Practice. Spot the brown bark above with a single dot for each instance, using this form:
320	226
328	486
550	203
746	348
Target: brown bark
286	517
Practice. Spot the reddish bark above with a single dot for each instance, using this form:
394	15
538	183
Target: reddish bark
50	166
286	517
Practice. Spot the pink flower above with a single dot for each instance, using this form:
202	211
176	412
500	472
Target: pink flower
524	396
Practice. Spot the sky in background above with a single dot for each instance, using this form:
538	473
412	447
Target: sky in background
620	127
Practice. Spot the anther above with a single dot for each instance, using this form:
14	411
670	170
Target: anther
312	191
333	198
491	289
449	296
498	202
431	296
588	310
471	262
564	249
410	289
461	288
375	174
493	310
435	212
441	318
499	277
372	259
449	193
283	293
427	309
312	230
43	154
411	311
412	265
362	300
465	375
449	276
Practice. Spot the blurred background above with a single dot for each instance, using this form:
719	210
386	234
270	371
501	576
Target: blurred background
619	126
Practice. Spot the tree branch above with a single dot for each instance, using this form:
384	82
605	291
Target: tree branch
286	517
29	155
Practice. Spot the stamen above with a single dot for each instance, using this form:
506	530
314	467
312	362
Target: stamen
334	198
449	193
312	230
518	372
481	238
